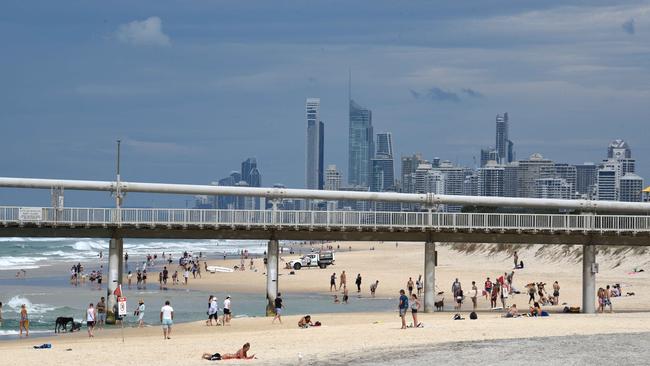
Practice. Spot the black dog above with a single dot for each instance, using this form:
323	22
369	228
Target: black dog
439	304
62	323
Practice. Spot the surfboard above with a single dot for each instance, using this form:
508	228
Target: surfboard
213	269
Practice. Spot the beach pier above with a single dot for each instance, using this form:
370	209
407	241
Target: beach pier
429	276
589	270
273	253
115	268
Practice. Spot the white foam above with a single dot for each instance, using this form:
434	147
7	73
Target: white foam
15	332
13	263
38	309
90	245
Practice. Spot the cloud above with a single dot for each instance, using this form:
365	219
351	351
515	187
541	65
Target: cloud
146	32
442	95
628	26
471	93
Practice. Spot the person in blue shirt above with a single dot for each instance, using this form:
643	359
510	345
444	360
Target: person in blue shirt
403	307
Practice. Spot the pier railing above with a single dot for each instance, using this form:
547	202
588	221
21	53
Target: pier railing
338	220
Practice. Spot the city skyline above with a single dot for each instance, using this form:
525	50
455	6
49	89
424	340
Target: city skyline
180	96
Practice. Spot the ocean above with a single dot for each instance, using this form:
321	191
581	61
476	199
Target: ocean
48	294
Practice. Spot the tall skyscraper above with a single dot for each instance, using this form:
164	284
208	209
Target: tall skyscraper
315	145
383	171
360	145
504	147
247	167
384	144
487	155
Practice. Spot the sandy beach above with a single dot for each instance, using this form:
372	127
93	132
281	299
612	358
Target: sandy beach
349	336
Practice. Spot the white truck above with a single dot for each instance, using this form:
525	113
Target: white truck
321	260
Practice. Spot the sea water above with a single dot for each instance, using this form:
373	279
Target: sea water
47	293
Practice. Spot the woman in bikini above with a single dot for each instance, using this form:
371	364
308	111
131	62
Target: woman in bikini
239	355
24	321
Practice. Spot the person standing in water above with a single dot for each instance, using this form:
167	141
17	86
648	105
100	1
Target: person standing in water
140	313
358	282
24	321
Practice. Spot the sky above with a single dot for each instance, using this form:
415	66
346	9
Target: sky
194	87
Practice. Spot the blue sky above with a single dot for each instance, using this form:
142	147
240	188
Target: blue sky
195	87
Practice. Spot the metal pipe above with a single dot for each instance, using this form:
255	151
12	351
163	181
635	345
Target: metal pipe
428	199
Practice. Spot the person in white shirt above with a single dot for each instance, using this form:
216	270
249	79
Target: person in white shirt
213	310
167	319
226	311
473	294
91	317
140	313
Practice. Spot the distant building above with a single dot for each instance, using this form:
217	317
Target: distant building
487	155
360	145
586	177
536	167
250	174
409	166
569	173
429	180
315	145
383	171
491	180
556	188
606	186
631	188
504	147
332	178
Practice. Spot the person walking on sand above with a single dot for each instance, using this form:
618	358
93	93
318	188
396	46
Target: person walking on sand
91	316
419	285
473	294
373	288
343	281
186	274
410	285
403	306
333	282
139	312
608	298
358	282
278	308
455	287
515	258
504	296
487	288
24	321
213	309
226	311
167	319
415	307
101	313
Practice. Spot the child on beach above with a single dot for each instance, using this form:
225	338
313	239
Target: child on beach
305	322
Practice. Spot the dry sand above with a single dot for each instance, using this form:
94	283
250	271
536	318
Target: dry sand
352	334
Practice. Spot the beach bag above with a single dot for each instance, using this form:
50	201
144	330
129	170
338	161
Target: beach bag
215	357
457	317
473	315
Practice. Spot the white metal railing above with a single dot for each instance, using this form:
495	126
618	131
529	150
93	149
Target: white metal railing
331	219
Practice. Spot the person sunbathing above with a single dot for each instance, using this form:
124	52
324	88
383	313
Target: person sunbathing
239	355
305	322
512	312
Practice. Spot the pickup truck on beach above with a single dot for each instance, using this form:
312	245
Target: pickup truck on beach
321	260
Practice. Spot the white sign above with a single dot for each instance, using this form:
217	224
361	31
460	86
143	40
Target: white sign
30	214
121	306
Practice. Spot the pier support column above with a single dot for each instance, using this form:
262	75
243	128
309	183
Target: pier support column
429	276
273	253
115	248
589	270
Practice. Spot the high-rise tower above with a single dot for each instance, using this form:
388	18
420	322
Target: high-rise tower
504	147
360	145
315	145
